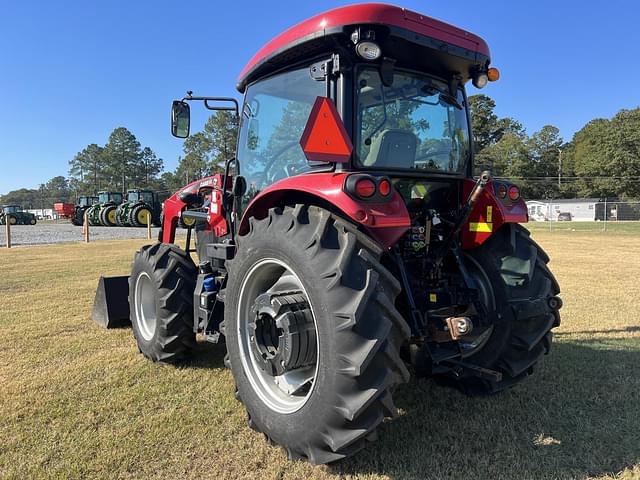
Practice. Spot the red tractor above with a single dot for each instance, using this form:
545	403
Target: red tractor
348	242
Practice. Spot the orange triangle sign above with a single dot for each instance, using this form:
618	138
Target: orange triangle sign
324	138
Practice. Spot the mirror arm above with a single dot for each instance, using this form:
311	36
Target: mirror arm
206	100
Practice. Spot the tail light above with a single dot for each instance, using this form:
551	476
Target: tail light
365	188
514	193
368	187
384	187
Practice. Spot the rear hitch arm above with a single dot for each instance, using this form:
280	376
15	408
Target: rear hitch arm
483	180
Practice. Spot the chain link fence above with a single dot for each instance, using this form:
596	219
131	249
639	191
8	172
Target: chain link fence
585	214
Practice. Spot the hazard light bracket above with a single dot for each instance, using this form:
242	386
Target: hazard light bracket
320	70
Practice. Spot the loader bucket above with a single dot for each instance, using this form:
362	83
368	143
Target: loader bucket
111	305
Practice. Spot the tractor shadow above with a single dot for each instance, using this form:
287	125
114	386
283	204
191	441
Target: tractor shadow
578	416
206	356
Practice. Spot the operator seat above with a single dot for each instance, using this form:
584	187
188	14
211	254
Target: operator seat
392	148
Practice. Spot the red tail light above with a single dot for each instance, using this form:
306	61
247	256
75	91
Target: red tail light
514	193
384	187
365	188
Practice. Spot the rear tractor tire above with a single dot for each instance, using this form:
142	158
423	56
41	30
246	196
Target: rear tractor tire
161	290
312	333
92	217
523	298
139	216
119	217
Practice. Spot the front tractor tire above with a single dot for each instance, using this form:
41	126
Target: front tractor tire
161	289
312	333
523	299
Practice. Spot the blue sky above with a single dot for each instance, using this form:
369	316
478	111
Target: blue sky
71	71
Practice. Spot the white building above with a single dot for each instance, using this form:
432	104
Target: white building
575	209
44	213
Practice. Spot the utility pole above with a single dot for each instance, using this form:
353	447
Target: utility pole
559	167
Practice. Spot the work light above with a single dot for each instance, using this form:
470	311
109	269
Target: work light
480	80
368	50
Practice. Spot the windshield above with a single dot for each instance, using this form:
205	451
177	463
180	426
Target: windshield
11	209
412	125
132	197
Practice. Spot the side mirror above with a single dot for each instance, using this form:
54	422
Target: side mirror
239	186
180	119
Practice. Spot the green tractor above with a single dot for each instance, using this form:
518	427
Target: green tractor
16	216
141	207
104	212
84	203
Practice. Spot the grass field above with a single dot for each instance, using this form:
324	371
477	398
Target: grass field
79	402
627	228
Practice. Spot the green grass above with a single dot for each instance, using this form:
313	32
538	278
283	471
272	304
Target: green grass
627	228
81	402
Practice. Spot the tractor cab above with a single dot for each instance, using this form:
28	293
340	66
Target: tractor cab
6	209
146	196
87	201
109	197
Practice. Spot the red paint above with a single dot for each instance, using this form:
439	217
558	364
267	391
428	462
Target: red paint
173	208
324	138
66	210
386	222
501	213
367	13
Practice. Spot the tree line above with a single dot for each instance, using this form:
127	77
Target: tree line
123	163
601	160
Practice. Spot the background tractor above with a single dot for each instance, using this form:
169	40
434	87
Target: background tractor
349	241
83	204
104	212
140	206
14	215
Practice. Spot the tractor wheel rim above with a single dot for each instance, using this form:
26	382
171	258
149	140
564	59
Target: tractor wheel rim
289	392
477	340
143	216
145	306
12	220
111	216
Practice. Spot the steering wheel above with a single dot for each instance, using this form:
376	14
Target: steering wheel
434	153
272	176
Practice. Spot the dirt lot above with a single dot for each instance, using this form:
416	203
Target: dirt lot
49	233
80	402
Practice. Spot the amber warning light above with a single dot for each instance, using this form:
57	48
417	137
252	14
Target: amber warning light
324	138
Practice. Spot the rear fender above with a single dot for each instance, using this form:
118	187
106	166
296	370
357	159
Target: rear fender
173	207
385	222
489	214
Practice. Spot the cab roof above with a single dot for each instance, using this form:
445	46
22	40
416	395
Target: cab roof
310	35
